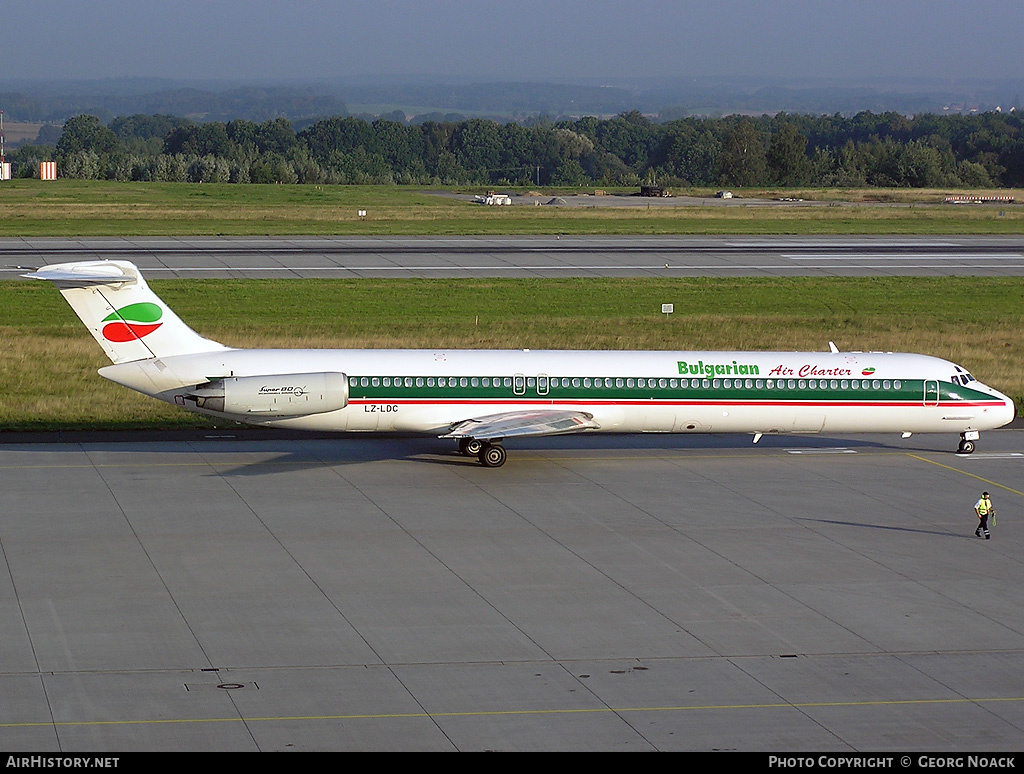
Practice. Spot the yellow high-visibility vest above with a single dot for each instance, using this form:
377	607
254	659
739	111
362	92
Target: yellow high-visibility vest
984	506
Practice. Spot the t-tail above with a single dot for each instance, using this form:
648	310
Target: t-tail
125	317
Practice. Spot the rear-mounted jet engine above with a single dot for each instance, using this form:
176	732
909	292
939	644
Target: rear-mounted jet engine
278	395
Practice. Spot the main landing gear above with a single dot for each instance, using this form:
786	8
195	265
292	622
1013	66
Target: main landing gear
490	453
967	442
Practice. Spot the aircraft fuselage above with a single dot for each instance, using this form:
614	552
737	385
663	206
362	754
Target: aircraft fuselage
758	392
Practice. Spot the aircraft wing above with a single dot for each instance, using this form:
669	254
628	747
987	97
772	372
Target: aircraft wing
522	423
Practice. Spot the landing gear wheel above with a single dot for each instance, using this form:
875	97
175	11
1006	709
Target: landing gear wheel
493	455
965	447
470	447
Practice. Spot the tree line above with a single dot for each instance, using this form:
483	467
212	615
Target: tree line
884	149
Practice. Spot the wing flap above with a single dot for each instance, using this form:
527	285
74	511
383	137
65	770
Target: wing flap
511	424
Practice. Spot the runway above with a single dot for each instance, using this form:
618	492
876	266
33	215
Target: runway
599	593
541	256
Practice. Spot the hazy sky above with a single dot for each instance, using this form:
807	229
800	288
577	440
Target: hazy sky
548	40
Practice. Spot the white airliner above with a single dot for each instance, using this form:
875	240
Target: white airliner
482	397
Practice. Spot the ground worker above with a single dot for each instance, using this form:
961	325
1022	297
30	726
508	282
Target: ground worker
984	509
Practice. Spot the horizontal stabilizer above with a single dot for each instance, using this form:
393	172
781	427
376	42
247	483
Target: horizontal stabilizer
91	272
523	423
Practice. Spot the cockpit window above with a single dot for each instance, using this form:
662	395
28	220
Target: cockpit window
961	377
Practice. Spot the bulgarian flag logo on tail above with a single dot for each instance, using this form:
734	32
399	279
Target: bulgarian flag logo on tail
132	322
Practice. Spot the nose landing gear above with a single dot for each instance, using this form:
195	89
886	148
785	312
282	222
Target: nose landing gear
967	440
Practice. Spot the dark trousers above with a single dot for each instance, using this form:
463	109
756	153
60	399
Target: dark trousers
982	525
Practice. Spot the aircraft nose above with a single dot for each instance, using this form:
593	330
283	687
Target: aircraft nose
1007	411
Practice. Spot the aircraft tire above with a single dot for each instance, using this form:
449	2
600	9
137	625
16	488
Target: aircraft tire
966	447
493	455
471	447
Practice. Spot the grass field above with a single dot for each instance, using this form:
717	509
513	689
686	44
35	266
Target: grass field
48	374
101	208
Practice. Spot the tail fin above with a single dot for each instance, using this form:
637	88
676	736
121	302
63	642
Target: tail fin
128	319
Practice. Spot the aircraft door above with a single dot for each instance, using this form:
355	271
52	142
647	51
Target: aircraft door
542	384
931	392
